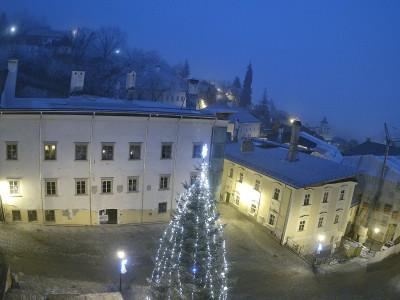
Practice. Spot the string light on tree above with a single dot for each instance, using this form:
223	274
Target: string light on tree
191	259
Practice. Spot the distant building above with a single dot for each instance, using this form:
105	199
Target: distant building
87	160
243	124
300	201
385	215
369	147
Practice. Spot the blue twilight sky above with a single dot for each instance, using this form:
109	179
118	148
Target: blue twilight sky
339	59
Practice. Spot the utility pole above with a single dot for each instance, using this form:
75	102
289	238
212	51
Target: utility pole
380	185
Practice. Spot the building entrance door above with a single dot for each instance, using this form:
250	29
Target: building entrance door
228	195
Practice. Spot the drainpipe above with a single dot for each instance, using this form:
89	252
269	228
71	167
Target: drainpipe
175	154
286	217
1	200
90	168
144	164
40	165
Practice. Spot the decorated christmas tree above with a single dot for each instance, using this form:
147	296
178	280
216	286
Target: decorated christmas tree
191	262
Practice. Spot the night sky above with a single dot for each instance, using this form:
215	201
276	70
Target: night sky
339	59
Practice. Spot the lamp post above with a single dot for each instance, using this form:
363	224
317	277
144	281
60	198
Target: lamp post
121	255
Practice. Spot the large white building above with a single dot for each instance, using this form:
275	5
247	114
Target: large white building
88	160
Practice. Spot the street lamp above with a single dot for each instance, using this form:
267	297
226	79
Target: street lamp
13	29
121	255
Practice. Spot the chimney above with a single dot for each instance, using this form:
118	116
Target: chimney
157	69
247	146
8	94
130	84
192	97
368	139
77	81
294	141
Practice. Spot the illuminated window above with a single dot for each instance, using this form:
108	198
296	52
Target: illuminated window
164	182
162	207
231	172
107	152
301	226
307	199
277	192
132	184
50	151
106	185
197	149
321	222
166	151
80	151
134	151
16	215
253	209
32	215
336	219
271	220
240	177
49	215
51	187
257	185
14	188
341	197
325	198
12	151
80	187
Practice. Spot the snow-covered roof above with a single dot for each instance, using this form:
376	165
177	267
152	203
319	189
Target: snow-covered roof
98	104
243	115
308	171
329	151
372	165
219	108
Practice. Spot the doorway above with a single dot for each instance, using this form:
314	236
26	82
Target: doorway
228	195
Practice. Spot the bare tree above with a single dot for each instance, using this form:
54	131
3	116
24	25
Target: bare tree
82	39
109	40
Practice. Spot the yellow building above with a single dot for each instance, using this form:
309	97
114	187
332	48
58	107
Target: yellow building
302	199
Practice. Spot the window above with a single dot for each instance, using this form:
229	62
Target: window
277	192
164	182
341	197
231	172
49	215
325	198
12	151
80	187
51	187
193	178
107	152
80	151
132	184
307	199
332	238
257	185
134	151
106	185
16	215
253	209
197	149
50	151
14	188
218	150
387	208
237	200
32	215
271	219
321	222
301	226
336	219
162	207
240	177
166	151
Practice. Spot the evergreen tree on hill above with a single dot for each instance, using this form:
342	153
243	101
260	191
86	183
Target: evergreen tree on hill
245	99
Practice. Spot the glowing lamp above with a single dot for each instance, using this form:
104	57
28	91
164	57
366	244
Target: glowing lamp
194	269
204	151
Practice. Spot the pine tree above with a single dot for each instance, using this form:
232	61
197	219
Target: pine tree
191	263
245	99
186	70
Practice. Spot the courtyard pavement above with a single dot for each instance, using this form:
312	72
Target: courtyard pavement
78	260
